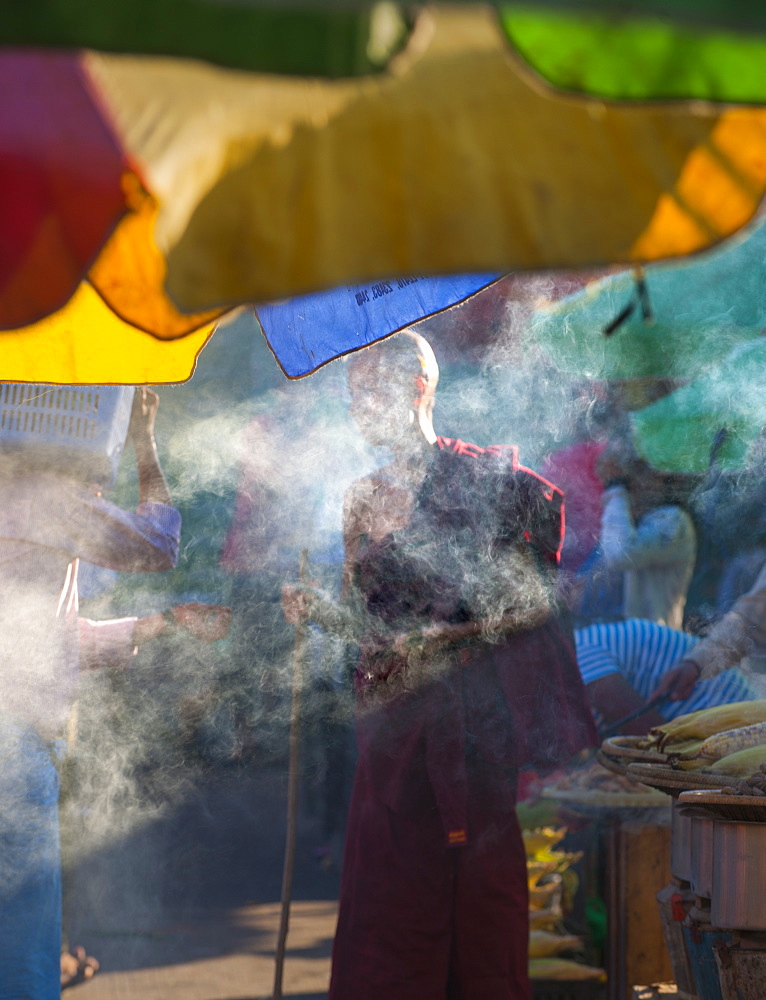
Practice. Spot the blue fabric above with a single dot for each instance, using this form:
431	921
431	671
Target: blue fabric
30	867
308	331
643	651
602	596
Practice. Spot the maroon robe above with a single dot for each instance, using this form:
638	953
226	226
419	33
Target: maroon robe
434	900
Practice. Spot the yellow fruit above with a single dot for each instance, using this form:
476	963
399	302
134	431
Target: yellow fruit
544	944
542	839
544	919
541	896
537	869
741	764
709	721
684	746
563	968
728	742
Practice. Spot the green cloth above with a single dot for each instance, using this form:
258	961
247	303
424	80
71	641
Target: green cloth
313	40
700	310
639	57
632	49
677	433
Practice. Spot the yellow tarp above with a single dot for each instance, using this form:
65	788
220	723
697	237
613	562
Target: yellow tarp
455	160
86	342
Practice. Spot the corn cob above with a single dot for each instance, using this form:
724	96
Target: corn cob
544	944
709	721
741	764
684	747
728	742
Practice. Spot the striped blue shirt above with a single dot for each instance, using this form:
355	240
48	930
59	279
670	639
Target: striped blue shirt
643	651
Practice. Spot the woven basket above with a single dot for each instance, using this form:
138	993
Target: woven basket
673	781
747	808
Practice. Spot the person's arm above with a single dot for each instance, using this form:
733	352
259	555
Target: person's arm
736	634
91	528
113	643
515	584
614	698
94	529
662	538
106	643
429	638
304	602
345	618
731	639
152	486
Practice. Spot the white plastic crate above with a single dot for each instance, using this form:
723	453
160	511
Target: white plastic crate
78	430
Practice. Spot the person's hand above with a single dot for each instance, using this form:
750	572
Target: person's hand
145	403
678	683
296	602
206	622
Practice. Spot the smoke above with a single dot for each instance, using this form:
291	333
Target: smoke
258	467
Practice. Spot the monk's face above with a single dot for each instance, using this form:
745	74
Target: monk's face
383	399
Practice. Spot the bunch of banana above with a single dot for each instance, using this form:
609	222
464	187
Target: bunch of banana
563	968
545	944
542	839
542	895
547	919
679	735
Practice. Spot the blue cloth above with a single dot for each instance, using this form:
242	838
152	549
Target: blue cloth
306	332
643	652
30	866
602	596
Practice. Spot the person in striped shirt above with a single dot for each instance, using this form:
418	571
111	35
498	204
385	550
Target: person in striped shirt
623	663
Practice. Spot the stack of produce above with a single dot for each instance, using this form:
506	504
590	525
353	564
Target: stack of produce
551	879
728	740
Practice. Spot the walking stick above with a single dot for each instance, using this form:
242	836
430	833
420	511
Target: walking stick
299	655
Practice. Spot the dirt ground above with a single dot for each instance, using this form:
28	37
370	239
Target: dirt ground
187	906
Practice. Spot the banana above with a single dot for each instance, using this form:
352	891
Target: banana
709	721
563	968
540	896
545	919
544	944
542	839
741	764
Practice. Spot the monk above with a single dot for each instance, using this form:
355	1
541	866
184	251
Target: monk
466	673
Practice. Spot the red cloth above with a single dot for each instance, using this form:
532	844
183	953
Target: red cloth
61	182
420	921
434	894
574	469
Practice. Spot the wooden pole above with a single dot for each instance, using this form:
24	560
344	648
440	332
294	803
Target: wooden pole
293	782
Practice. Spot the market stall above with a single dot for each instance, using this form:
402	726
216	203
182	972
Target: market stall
713	765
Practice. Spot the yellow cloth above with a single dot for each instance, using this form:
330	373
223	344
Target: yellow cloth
457	159
85	342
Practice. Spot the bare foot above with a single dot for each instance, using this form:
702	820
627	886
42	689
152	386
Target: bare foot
77	967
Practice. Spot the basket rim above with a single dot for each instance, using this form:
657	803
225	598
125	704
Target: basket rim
627	748
661	776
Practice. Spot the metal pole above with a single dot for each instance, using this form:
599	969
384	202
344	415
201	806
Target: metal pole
299	654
